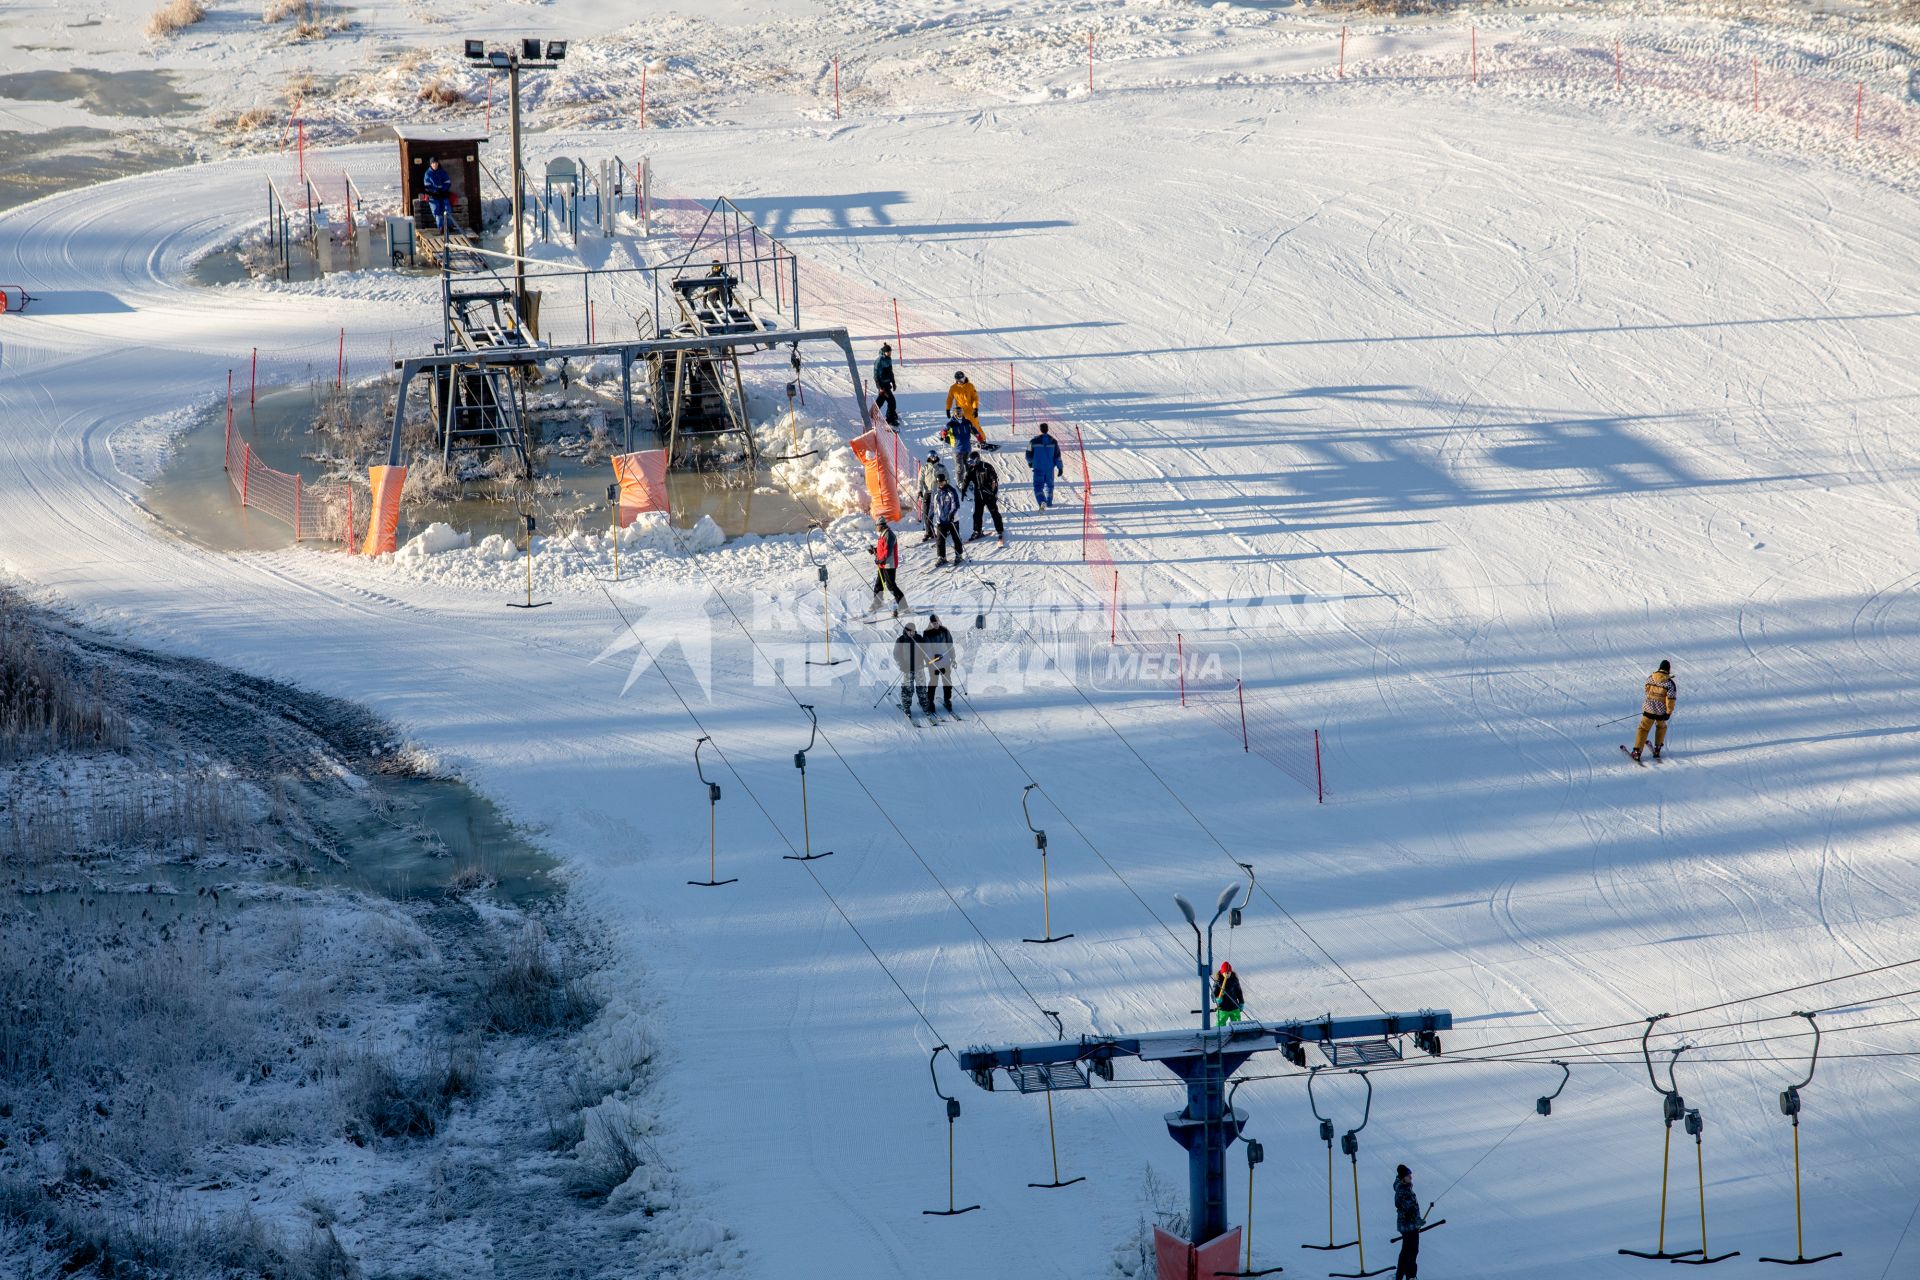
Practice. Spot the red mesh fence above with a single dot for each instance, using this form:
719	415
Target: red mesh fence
315	512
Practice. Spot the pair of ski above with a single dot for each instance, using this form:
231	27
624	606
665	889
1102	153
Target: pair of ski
1627	751
933	717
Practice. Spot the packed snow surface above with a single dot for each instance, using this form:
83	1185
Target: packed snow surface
1488	402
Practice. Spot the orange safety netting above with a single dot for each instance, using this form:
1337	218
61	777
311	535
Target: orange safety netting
881	487
643	483
315	512
383	525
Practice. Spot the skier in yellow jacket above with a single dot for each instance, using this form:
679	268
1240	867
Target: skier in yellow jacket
965	397
1662	694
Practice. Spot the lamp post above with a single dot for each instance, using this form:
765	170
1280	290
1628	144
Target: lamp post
1204	964
535	56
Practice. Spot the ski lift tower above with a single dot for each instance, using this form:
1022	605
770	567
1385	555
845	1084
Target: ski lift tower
1204	1059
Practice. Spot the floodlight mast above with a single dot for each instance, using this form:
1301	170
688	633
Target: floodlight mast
510	61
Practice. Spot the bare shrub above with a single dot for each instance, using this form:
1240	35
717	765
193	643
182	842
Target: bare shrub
173	17
608	1154
441	92
251	120
384	1101
525	990
281	10
43	705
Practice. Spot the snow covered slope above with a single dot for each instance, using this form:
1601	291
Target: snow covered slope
1500	403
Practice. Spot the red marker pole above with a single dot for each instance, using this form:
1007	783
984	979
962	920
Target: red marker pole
1241	692
1343	51
899	347
1319	780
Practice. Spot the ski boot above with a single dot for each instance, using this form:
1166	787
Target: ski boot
1635	753
1656	753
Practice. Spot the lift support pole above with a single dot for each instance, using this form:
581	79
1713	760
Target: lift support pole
1204	1061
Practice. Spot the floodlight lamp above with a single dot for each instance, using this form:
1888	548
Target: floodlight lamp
1226	898
500	60
530	49
1186	909
476	50
556	50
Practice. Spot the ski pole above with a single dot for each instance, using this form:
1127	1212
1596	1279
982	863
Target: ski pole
1616	720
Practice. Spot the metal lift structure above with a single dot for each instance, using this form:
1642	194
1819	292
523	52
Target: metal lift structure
477	383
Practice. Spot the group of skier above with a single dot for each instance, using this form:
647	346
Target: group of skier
926	662
939	498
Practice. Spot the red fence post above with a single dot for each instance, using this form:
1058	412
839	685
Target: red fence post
1180	643
1343	51
253	380
1241	692
1319	781
899	347
246	465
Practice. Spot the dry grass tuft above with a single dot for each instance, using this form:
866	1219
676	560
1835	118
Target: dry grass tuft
441	92
173	17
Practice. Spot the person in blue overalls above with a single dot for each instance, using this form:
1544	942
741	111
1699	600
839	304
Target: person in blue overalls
439	184
1043	455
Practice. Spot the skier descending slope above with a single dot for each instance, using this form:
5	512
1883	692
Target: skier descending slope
886	562
1043	455
1662	693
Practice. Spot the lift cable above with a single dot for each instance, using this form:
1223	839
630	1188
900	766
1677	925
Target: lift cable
784	839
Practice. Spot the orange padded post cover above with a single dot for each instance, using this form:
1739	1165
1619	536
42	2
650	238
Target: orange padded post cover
643	483
880	484
383	527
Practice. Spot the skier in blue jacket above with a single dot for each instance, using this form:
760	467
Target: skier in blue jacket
1043	455
960	434
946	509
439	184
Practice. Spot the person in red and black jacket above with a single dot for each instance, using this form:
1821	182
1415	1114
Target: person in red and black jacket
886	563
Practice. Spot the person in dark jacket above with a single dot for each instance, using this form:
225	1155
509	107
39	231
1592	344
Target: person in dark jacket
886	563
910	655
1043	455
939	649
960	435
946	511
1229	1005
439	184
1407	1221
931	473
883	385
984	483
